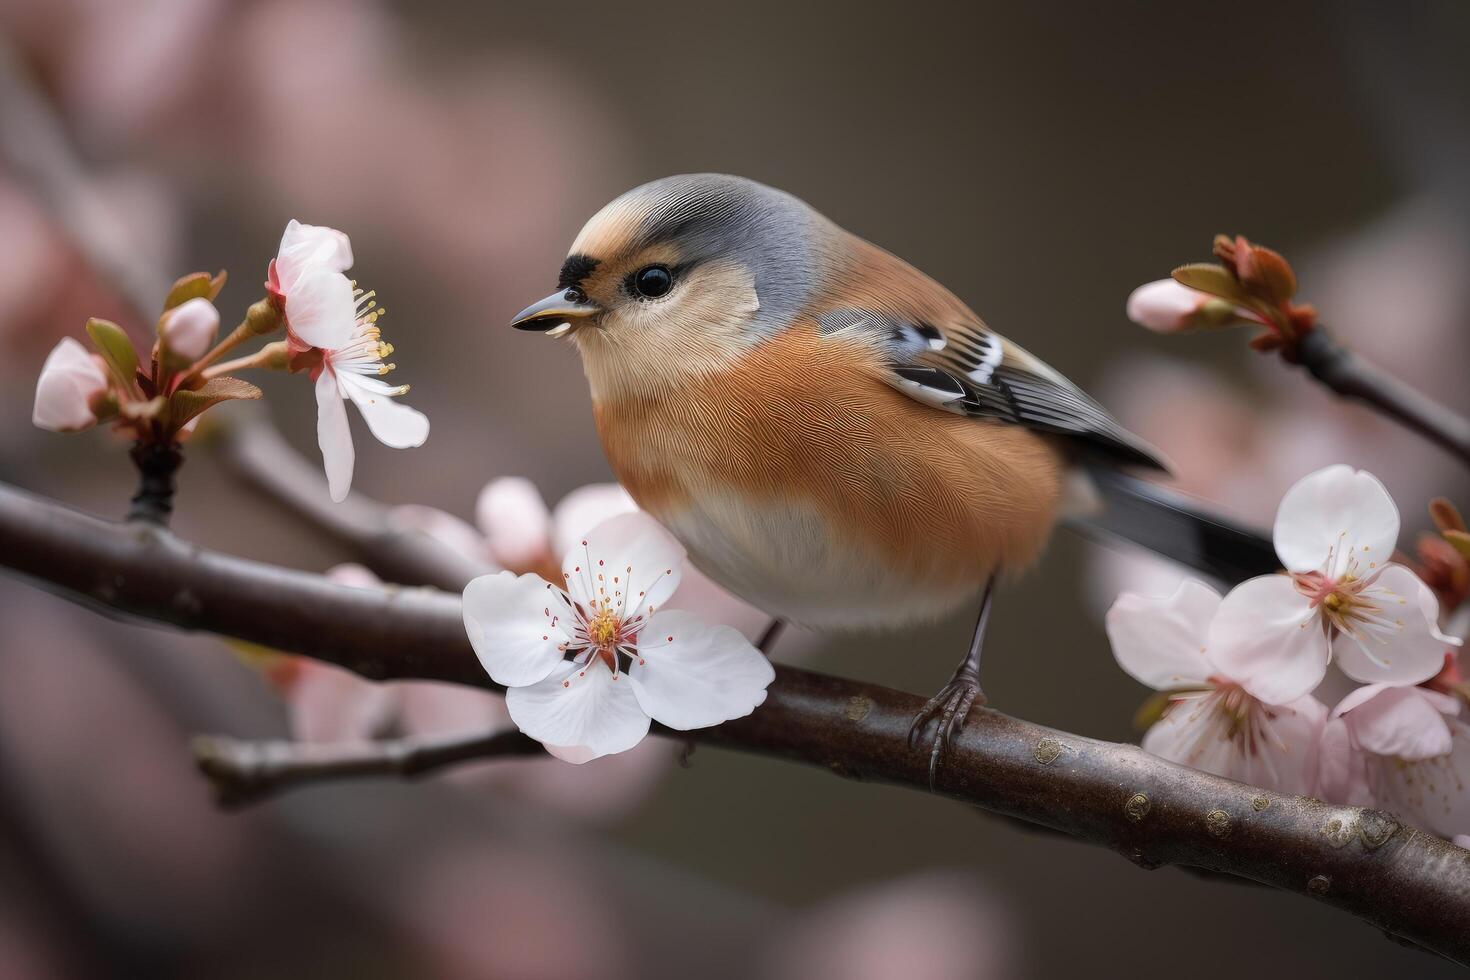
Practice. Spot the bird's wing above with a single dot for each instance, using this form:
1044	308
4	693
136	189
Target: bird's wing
955	363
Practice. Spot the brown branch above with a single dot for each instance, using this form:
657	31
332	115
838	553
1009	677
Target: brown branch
254	450
242	772
1350	376
1411	884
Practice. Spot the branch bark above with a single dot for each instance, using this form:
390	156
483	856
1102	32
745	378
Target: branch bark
255	450
1411	884
242	772
1351	376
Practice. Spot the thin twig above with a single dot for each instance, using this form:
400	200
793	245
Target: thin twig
243	772
254	450
1351	376
1409	883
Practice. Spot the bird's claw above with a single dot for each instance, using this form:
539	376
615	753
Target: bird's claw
949	708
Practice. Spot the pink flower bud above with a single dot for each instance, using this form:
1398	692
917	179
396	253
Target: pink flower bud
1165	306
71	384
188	329
516	523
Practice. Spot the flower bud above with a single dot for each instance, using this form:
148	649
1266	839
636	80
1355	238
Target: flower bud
1169	307
263	317
71	390
516	523
188	330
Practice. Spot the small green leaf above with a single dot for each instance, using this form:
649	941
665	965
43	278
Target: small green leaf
1460	540
185	404
1210	278
196	285
116	349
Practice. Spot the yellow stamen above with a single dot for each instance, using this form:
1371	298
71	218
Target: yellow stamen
603	630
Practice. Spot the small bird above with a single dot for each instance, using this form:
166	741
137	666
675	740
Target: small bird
834	436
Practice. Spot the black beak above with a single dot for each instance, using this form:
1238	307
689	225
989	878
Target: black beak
561	308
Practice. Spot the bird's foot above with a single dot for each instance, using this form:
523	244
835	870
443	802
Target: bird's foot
948	710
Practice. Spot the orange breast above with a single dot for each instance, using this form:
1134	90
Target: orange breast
941	498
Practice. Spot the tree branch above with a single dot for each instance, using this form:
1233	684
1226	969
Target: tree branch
255	451
1411	884
1351	376
243	772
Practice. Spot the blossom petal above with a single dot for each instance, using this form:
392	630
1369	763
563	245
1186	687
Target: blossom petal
514	519
633	548
1164	305
333	436
583	509
692	675
304	247
515	625
392	423
1413	653
1398	721
69	380
1433	793
320	311
1267	638
1342	772
1281	755
1161	642
1339	511
585	713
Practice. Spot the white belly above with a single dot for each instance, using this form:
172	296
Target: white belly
790	562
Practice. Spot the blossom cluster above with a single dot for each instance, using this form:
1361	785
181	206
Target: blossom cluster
1240	675
1249	284
516	532
332	334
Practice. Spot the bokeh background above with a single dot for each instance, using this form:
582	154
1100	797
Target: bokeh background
1040	159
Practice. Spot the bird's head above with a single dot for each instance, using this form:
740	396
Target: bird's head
680	275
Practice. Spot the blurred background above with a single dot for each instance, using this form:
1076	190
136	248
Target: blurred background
1039	159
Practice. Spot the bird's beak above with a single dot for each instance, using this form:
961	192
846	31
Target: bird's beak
556	314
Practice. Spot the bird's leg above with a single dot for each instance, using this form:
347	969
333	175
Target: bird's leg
770	635
951	706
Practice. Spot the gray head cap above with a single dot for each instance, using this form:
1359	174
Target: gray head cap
718	216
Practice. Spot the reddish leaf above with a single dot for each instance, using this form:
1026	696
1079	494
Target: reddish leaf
184	404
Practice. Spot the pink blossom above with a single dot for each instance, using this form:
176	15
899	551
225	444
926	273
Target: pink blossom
934	926
1212	722
72	384
516	523
1341	598
188	330
591	664
333	329
1403	749
1166	306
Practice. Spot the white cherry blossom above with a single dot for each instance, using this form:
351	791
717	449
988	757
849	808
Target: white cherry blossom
1341	597
333	329
590	663
1212	722
1402	749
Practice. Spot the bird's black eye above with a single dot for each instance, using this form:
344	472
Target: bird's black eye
653	281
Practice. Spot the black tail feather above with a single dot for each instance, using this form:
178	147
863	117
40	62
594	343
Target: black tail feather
1176	526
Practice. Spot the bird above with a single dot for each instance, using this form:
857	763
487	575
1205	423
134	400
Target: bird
834	436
